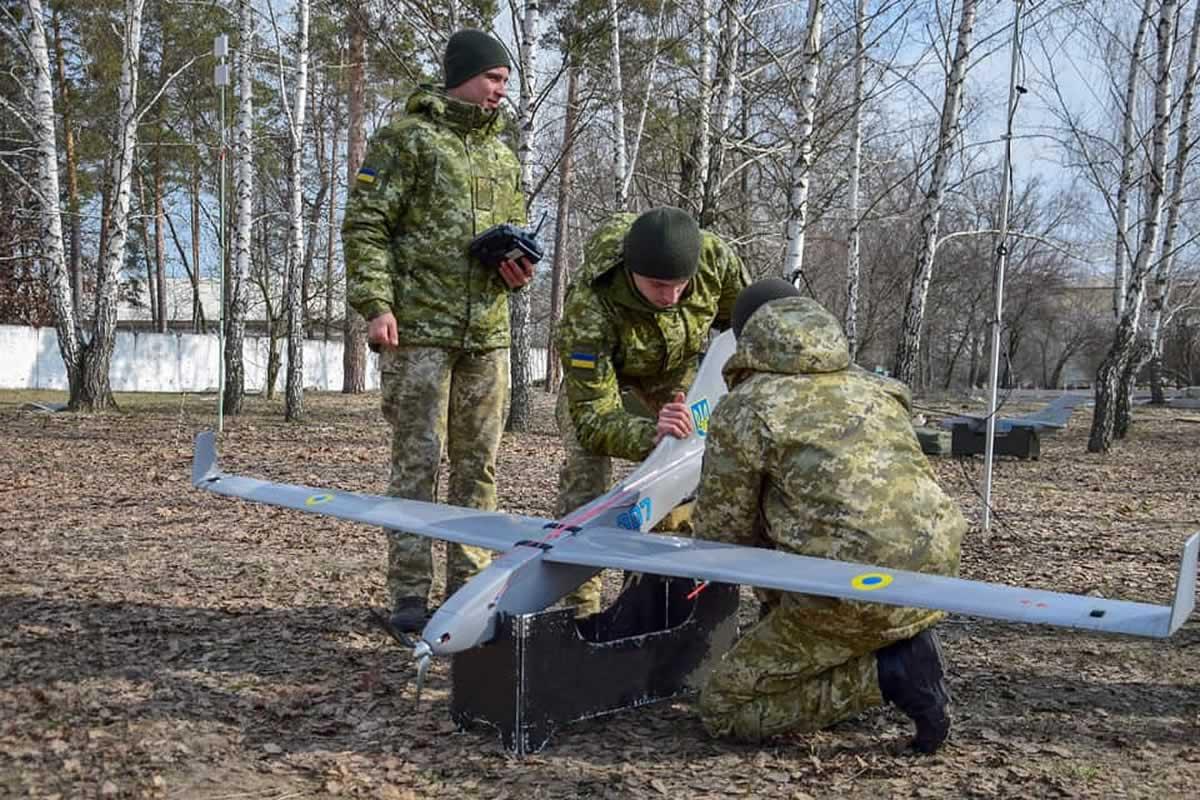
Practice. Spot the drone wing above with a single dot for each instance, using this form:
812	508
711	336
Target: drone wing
1054	415
491	529
772	569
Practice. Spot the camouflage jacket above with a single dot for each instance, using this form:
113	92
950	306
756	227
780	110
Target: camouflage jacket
814	456
611	338
431	181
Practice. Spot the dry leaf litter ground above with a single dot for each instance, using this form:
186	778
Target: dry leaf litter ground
156	641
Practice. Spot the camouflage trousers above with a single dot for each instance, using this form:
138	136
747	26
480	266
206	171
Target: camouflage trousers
441	399
785	676
582	478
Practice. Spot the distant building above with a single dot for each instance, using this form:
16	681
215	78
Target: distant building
135	315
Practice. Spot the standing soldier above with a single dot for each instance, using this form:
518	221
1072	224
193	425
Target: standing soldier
432	180
636	319
811	455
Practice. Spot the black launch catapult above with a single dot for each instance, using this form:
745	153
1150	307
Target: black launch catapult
545	670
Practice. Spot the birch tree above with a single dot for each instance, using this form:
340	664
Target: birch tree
1128	154
47	192
235	326
651	70
294	399
620	195
1160	312
854	236
354	328
96	390
520	408
1114	372
727	67
695	192
562	221
909	348
72	165
793	262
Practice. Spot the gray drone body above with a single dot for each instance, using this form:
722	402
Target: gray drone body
543	560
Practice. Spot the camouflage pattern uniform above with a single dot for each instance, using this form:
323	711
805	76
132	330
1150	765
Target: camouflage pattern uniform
431	181
811	455
611	341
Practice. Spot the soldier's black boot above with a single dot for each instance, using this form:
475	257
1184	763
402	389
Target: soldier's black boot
912	677
409	615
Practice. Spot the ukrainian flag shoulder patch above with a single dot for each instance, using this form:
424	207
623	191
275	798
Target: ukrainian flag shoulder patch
583	360
366	175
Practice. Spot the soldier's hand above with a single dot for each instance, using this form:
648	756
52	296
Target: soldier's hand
381	330
516	273
674	419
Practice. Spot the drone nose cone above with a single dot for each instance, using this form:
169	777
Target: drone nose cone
451	633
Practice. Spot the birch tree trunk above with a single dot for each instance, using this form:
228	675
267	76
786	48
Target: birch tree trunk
1115	375
294	399
856	136
331	220
558	277
243	187
72	163
651	71
793	261
49	216
620	196
354	327
908	351
1165	269
727	66
96	390
695	192
1128	154
521	407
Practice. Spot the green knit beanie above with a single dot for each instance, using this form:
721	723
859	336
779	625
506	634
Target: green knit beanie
470	52
755	295
663	243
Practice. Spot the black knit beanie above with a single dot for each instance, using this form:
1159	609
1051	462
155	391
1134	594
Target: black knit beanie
470	52
753	296
663	243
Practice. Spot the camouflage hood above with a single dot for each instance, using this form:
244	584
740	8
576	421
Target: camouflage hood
792	336
797	336
465	118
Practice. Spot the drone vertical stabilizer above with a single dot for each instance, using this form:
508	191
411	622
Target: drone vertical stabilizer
1185	587
204	459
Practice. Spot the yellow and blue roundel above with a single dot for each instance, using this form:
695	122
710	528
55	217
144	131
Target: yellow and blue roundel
318	499
870	581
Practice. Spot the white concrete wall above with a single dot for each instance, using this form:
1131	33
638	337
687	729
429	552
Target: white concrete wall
175	362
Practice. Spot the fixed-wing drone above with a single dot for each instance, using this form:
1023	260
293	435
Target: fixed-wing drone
1053	416
542	560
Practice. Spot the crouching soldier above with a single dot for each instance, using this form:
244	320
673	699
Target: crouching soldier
809	454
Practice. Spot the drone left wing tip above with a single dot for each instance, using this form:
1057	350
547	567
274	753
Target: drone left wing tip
204	457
